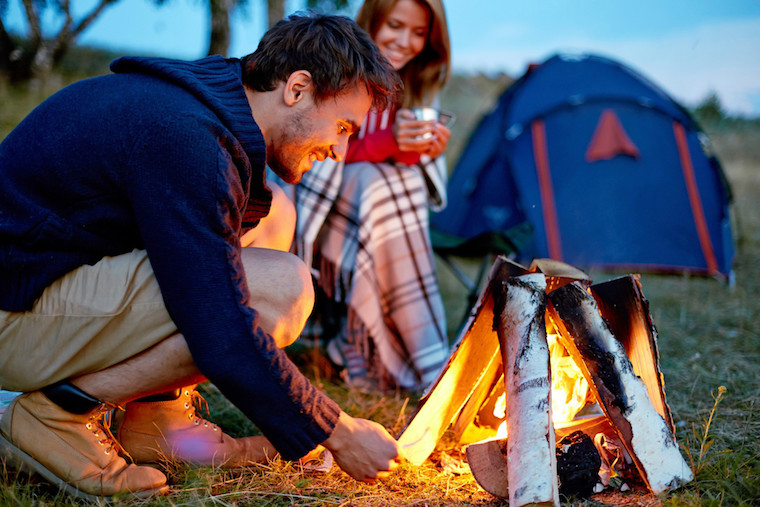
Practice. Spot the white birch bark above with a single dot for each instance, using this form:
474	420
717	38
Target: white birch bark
531	456
622	394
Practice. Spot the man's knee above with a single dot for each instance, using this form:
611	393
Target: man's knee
300	290
296	301
281	291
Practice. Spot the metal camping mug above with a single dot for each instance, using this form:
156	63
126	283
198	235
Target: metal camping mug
425	114
431	113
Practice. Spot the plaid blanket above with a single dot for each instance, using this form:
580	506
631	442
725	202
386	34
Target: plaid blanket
363	228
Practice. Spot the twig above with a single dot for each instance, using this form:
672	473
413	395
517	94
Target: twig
401	416
705	442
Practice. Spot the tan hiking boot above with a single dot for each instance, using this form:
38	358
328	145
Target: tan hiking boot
158	430
75	452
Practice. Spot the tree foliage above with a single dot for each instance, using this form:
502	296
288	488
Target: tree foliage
335	6
710	111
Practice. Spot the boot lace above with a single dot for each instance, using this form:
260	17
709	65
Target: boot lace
195	401
99	423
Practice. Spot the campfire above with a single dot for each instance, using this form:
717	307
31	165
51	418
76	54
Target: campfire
555	387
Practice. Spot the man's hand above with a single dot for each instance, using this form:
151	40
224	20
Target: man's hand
362	448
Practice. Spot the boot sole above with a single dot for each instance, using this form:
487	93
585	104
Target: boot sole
10	458
25	463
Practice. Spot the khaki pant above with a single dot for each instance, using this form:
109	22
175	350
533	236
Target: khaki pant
90	319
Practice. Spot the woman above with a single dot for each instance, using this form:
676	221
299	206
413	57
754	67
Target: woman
363	223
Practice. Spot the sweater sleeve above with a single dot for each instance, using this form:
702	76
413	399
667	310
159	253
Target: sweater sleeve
379	146
188	207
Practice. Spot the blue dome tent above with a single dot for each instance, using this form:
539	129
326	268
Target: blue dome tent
585	161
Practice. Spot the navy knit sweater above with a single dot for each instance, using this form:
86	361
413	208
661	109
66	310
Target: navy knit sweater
165	156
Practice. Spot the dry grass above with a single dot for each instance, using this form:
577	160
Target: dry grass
708	339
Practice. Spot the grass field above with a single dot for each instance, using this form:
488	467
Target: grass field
709	339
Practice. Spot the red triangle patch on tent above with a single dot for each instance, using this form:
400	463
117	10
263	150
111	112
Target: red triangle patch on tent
610	139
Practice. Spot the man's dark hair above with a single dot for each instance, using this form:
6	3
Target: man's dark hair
333	49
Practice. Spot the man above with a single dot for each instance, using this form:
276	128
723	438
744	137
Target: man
123	202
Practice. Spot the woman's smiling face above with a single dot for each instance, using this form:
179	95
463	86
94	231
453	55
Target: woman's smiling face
404	32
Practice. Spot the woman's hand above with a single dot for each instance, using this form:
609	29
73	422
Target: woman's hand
423	136
439	141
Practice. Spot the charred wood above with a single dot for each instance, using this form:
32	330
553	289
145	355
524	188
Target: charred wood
645	433
578	464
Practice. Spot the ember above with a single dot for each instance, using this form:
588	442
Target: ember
603	380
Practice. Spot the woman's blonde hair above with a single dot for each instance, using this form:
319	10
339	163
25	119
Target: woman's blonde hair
427	73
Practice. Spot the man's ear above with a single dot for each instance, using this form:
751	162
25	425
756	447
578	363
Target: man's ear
299	83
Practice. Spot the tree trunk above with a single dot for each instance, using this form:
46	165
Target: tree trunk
9	54
276	11
42	63
219	37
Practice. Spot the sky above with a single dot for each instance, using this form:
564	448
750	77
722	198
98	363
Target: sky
690	48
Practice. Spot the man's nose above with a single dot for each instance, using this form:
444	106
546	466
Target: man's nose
338	151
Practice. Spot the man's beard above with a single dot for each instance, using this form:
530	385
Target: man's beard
285	159
285	168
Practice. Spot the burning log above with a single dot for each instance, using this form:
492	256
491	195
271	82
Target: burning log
457	396
462	384
644	431
469	395
625	308
520	304
487	458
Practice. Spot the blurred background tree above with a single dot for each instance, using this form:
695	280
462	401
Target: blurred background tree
710	111
33	56
219	25
221	10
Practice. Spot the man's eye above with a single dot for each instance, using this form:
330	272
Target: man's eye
342	129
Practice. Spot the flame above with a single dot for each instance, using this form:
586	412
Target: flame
569	387
500	411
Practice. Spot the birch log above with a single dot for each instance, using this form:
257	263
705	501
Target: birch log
473	361
488	463
623	396
519	310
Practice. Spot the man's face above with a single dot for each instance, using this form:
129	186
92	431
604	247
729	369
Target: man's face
310	132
